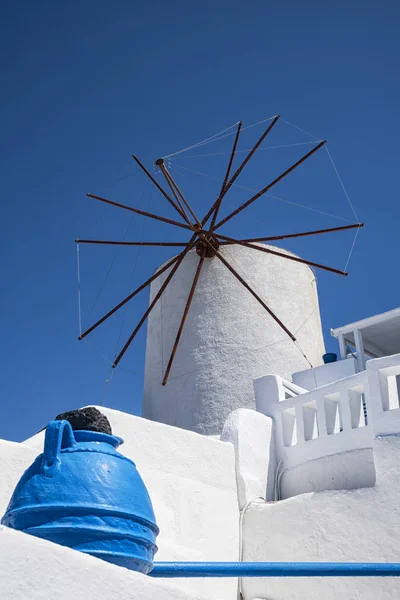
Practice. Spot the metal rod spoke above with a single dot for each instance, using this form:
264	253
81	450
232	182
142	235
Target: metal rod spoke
288	256
169	180
175	188
302	234
170	183
184	199
155	300
244	163
139	289
184	316
140	212
270	185
223	192
109	242
252	292
252	151
164	193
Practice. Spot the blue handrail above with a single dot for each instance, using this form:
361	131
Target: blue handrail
274	569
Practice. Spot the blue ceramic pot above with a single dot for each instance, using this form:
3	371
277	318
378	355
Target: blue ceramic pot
84	494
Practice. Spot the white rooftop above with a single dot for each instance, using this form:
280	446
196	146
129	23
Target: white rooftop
380	333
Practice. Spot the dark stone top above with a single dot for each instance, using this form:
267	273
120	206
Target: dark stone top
88	418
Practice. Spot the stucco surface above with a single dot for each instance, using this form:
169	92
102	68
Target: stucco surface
229	339
358	525
250	432
14	460
192	484
324	374
34	569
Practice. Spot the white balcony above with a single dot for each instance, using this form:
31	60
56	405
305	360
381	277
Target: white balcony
324	437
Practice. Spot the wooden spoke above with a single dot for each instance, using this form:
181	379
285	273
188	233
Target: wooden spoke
252	151
165	173
156	299
139	289
252	292
139	212
164	193
175	188
288	256
185	314
269	186
244	163
223	192
112	243
302	234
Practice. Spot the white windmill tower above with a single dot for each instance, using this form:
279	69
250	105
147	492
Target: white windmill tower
222	312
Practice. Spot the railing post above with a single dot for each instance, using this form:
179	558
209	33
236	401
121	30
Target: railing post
342	346
360	350
299	424
345	400
321	417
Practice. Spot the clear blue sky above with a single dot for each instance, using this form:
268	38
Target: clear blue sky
86	84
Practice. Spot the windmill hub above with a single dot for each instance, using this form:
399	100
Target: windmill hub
204	249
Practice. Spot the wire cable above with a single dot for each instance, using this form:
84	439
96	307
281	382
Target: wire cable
215	138
248	150
79	290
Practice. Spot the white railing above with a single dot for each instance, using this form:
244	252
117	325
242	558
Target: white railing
317	423
383	377
331	420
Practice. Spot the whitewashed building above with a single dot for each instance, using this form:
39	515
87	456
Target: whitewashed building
254	451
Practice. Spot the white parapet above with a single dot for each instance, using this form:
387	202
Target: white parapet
338	525
250	433
192	484
324	437
383	378
34	569
321	437
229	339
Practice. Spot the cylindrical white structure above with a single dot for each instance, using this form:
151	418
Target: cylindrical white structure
229	339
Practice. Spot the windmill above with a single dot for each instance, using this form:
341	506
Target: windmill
207	241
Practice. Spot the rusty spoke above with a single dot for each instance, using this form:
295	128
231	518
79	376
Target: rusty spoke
168	180
161	189
270	185
228	171
155	300
112	243
139	289
288	256
186	203
175	189
252	151
184	316
252	292
243	164
140	212
302	234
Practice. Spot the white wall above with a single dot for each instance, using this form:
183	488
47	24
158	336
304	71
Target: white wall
192	483
228	339
14	460
348	470
324	374
359	525
250	433
34	569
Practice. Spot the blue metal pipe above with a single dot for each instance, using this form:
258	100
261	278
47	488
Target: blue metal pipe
274	569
